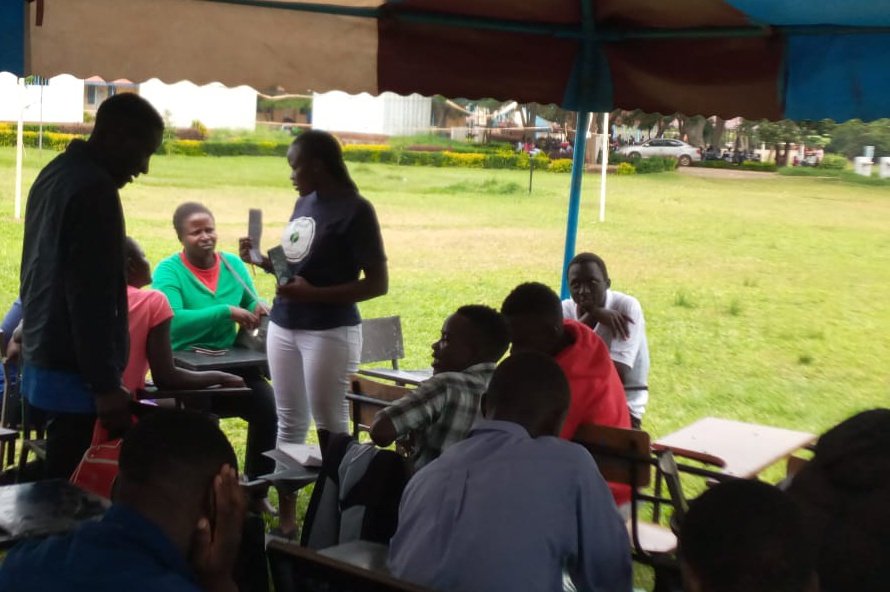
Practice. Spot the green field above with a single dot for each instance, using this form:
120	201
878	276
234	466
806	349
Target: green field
766	299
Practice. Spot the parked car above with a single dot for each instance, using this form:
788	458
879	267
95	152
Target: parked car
685	153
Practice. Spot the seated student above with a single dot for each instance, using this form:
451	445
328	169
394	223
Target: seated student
175	524
442	409
149	324
618	319
512	507
843	493
534	314
742	536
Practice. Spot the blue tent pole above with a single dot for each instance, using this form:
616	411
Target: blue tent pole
574	197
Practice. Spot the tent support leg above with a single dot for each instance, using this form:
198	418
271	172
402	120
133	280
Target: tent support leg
574	197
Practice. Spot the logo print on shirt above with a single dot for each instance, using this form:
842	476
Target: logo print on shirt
296	240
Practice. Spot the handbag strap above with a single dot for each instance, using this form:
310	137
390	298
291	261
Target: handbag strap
238	277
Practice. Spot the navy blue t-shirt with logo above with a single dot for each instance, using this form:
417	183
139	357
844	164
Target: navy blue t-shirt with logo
327	242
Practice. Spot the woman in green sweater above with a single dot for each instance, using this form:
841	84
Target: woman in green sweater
211	294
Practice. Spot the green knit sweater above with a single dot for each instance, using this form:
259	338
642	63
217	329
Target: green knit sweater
201	317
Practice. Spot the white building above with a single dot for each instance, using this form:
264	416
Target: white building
388	114
59	101
65	99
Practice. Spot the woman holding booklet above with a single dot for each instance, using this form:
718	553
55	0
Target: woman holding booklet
335	259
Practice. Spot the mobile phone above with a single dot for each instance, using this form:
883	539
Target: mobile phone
255	232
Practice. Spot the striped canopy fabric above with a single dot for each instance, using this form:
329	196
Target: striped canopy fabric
798	59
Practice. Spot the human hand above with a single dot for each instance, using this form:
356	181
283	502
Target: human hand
13	352
244	318
297	289
260	309
245	244
618	323
227	380
113	409
218	536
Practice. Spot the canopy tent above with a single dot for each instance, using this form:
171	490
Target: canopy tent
800	59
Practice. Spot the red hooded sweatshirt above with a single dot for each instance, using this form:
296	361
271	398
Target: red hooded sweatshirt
597	393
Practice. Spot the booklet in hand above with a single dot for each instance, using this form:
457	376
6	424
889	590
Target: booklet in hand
280	265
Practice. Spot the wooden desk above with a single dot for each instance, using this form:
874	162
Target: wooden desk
400	377
44	508
237	357
739	449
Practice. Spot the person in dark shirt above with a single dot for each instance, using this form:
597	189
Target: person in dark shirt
335	253
75	307
175	524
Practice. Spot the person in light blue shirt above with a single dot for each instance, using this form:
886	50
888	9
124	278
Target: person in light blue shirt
513	507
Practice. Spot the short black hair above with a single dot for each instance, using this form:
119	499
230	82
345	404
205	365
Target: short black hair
326	148
582	258
528	385
532	298
182	448
129	112
184	211
491	328
746	535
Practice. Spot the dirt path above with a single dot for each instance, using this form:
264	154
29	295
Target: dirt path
723	173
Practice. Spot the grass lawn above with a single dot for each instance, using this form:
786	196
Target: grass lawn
766	299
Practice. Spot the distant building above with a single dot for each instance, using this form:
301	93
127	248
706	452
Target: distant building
65	99
388	114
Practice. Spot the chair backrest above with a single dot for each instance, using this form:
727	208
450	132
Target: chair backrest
622	456
367	397
382	341
293	566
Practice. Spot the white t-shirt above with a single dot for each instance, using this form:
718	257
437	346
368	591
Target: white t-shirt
633	352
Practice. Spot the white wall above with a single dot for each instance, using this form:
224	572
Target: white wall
388	114
214	105
62	100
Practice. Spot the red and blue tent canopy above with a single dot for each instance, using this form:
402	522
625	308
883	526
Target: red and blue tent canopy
800	59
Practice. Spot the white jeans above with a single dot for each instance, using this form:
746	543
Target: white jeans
310	369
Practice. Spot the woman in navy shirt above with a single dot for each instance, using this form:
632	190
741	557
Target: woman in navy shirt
336	259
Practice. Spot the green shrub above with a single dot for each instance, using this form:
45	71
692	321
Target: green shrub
748	165
833	162
625	168
467	160
561	165
649	165
185	147
51	140
244	148
503	159
541	161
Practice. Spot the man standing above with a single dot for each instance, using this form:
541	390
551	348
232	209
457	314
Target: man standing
73	280
618	319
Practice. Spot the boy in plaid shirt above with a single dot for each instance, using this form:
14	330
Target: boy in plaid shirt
443	409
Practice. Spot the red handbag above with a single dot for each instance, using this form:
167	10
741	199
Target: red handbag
97	470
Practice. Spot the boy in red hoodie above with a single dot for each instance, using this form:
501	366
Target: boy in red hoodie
534	313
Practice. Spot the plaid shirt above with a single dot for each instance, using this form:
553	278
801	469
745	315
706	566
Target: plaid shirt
440	411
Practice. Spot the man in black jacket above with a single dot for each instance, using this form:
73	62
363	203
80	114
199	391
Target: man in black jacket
73	280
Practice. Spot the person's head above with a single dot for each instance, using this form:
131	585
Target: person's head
316	162
195	229
529	389
745	535
472	335
843	493
167	466
138	267
127	131
588	279
534	314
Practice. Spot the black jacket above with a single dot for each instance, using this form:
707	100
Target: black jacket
74	293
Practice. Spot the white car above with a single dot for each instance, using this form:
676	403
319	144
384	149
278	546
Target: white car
685	153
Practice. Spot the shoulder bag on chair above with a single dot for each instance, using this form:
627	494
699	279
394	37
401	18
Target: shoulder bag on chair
251	339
